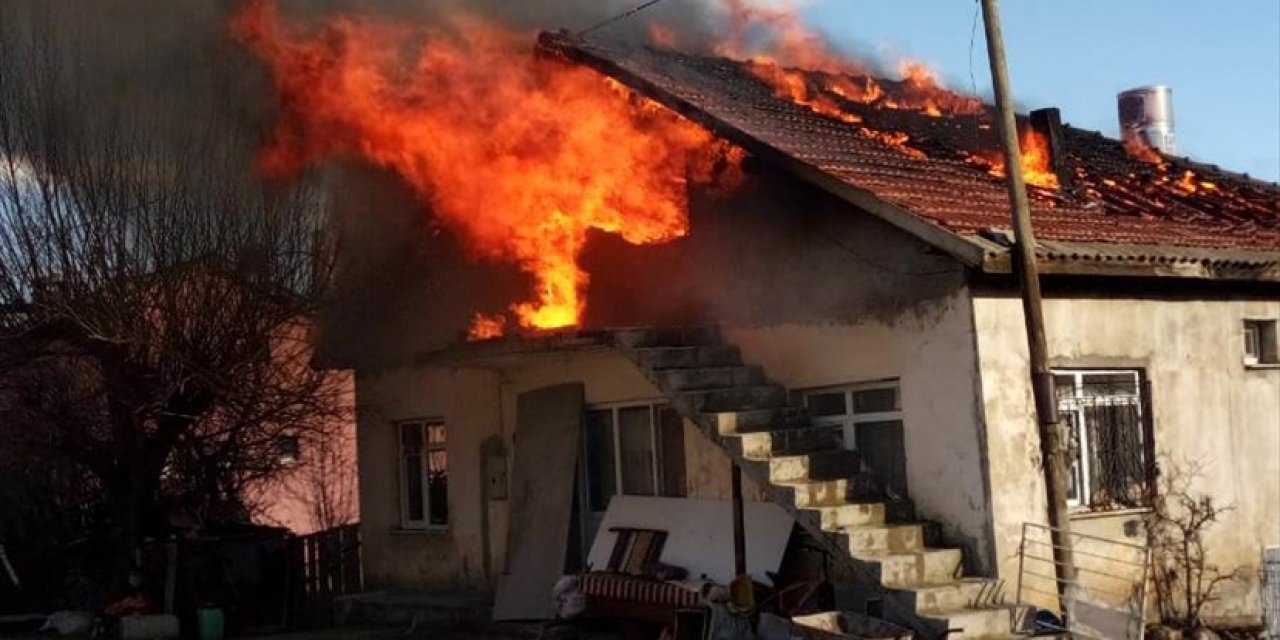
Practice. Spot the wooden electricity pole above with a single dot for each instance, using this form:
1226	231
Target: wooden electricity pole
1024	266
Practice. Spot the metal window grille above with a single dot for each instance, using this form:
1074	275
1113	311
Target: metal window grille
1107	418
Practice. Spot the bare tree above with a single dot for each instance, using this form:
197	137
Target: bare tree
152	288
1185	581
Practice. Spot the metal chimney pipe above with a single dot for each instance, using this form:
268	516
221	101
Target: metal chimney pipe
1146	117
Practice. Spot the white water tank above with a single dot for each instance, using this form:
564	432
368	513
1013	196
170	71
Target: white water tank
1146	116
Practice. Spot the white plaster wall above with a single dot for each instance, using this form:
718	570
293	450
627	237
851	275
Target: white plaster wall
478	403
931	350
468	402
1208	408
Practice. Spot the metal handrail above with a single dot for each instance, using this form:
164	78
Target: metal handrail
1086	536
1136	597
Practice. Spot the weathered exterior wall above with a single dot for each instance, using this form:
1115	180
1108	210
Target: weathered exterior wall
469	403
931	350
476	404
1208	409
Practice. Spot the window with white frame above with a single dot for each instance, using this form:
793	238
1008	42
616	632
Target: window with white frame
849	406
869	417
1109	444
424	474
634	449
1260	343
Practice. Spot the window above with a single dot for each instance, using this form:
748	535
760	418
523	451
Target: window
869	417
290	450
424	475
1109	444
1260	345
632	449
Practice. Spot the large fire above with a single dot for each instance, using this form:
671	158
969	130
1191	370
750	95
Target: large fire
518	154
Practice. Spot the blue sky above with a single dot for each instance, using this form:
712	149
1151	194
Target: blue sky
1222	58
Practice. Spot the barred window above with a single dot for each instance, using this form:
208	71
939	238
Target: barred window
424	475
1109	448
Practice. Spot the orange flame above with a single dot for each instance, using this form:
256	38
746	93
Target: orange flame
794	86
789	50
1139	150
922	91
518	154
1187	183
485	327
1037	163
1037	160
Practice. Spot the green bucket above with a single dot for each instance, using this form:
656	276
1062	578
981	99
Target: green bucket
209	623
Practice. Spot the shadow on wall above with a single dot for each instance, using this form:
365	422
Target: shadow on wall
775	251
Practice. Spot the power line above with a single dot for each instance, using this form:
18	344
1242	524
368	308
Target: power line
621	16
973	34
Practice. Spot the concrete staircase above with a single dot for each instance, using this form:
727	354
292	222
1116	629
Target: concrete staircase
807	471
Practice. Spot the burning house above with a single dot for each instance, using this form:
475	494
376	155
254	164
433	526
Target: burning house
821	260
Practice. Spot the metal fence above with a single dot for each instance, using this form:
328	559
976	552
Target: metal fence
1107	597
1271	592
323	566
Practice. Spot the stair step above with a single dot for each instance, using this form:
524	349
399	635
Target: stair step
856	488
965	593
848	515
643	337
732	423
694	379
805	468
739	398
1001	621
789	442
658	358
884	538
905	570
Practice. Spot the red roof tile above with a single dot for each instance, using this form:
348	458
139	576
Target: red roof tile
1115	198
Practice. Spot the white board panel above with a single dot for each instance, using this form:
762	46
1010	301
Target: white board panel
699	534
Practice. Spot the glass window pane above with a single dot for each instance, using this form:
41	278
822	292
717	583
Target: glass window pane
1117	465
671	452
413	488
1064	386
1075	478
411	438
635	430
826	404
438	486
1252	340
435	434
601	478
875	400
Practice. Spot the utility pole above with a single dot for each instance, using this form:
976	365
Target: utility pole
1024	266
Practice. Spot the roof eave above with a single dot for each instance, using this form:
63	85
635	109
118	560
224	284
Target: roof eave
957	246
1125	260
